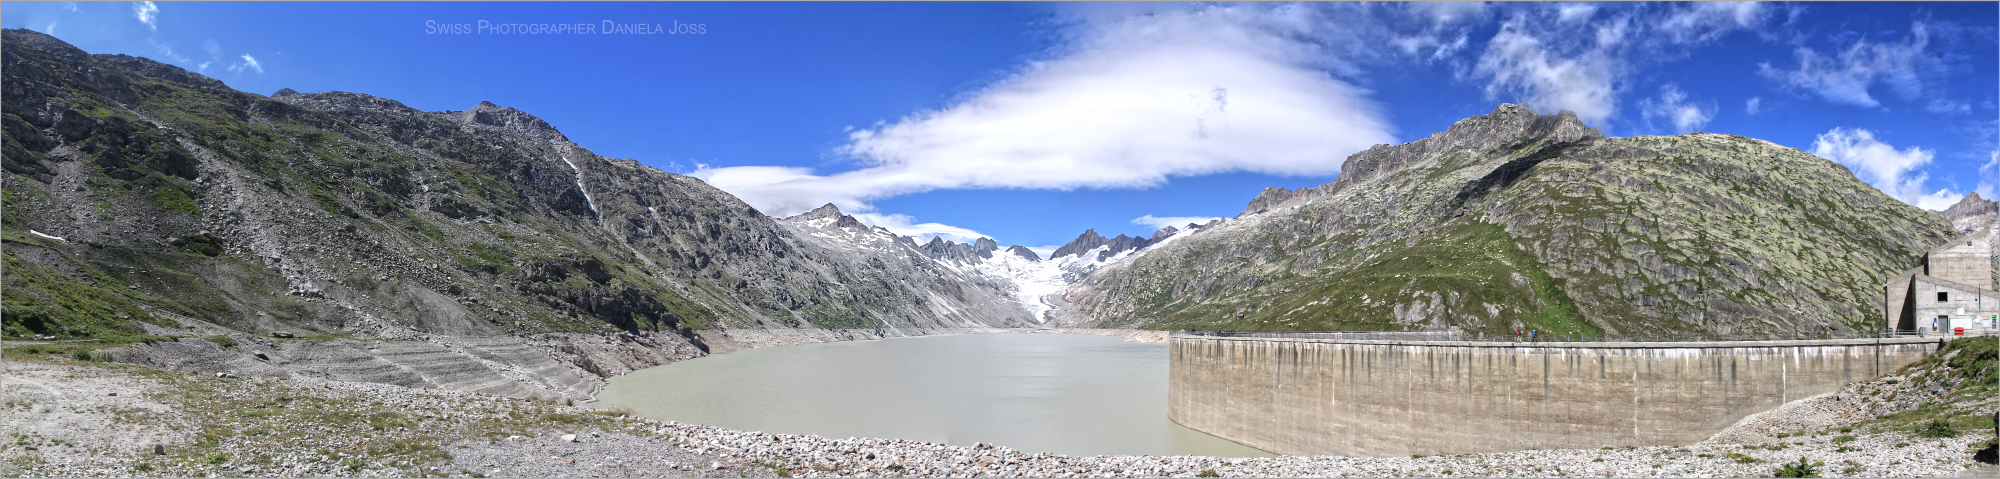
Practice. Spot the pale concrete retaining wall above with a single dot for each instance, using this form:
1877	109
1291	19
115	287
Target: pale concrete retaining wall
1398	398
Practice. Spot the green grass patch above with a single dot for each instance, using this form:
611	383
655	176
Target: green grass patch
38	300
1965	369
418	225
1802	468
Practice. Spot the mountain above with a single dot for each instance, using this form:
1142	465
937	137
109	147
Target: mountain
1515	220
145	199
1970	213
1106	247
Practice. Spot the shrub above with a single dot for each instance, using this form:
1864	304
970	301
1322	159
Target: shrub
1937	428
1799	469
80	354
1208	473
1843	439
1741	458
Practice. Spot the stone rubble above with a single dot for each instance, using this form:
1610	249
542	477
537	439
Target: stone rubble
44	442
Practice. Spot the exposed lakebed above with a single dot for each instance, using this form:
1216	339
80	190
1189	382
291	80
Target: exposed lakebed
1060	393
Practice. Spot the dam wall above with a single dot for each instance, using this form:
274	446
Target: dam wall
1381	398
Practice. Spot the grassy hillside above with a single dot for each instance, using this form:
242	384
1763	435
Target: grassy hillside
1518	221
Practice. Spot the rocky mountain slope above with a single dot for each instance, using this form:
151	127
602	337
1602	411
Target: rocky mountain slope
1970	213
144	200
1027	281
1515	221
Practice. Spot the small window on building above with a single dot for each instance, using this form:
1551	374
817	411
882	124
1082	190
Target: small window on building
1943	296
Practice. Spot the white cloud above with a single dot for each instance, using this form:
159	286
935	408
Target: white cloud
1551	58
1573	12
1426	31
1847	76
1673	106
1893	171
147	13
1939	200
203	67
214	49
1129	102
51	29
1986	173
168	52
71	6
785	191
1754	105
907	226
1940	105
1519	63
250	63
1448	13
1179	222
1706	21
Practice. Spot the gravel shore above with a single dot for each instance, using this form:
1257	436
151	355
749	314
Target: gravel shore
62	421
811	456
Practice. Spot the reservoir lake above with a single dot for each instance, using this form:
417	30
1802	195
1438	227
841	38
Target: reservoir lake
1070	394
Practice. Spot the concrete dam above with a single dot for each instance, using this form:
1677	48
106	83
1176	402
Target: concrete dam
1381	398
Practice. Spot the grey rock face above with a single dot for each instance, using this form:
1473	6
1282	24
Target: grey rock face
1024	252
1084	242
490	114
940	248
1971	213
1514	221
1270	199
1090	240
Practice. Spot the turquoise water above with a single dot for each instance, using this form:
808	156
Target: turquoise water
1060	393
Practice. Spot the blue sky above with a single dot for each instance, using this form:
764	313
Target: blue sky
1030	122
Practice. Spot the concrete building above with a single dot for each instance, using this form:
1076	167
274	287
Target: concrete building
1952	288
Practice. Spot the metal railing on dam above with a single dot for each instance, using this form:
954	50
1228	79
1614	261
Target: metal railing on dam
1405	393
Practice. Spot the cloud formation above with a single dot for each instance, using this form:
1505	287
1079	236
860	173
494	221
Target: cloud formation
1708	21
1986	173
1674	107
248	63
1518	62
1127	103
1846	77
1565	57
147	13
1880	164
908	226
167	51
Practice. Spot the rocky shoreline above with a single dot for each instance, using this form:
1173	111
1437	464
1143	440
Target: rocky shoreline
68	417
